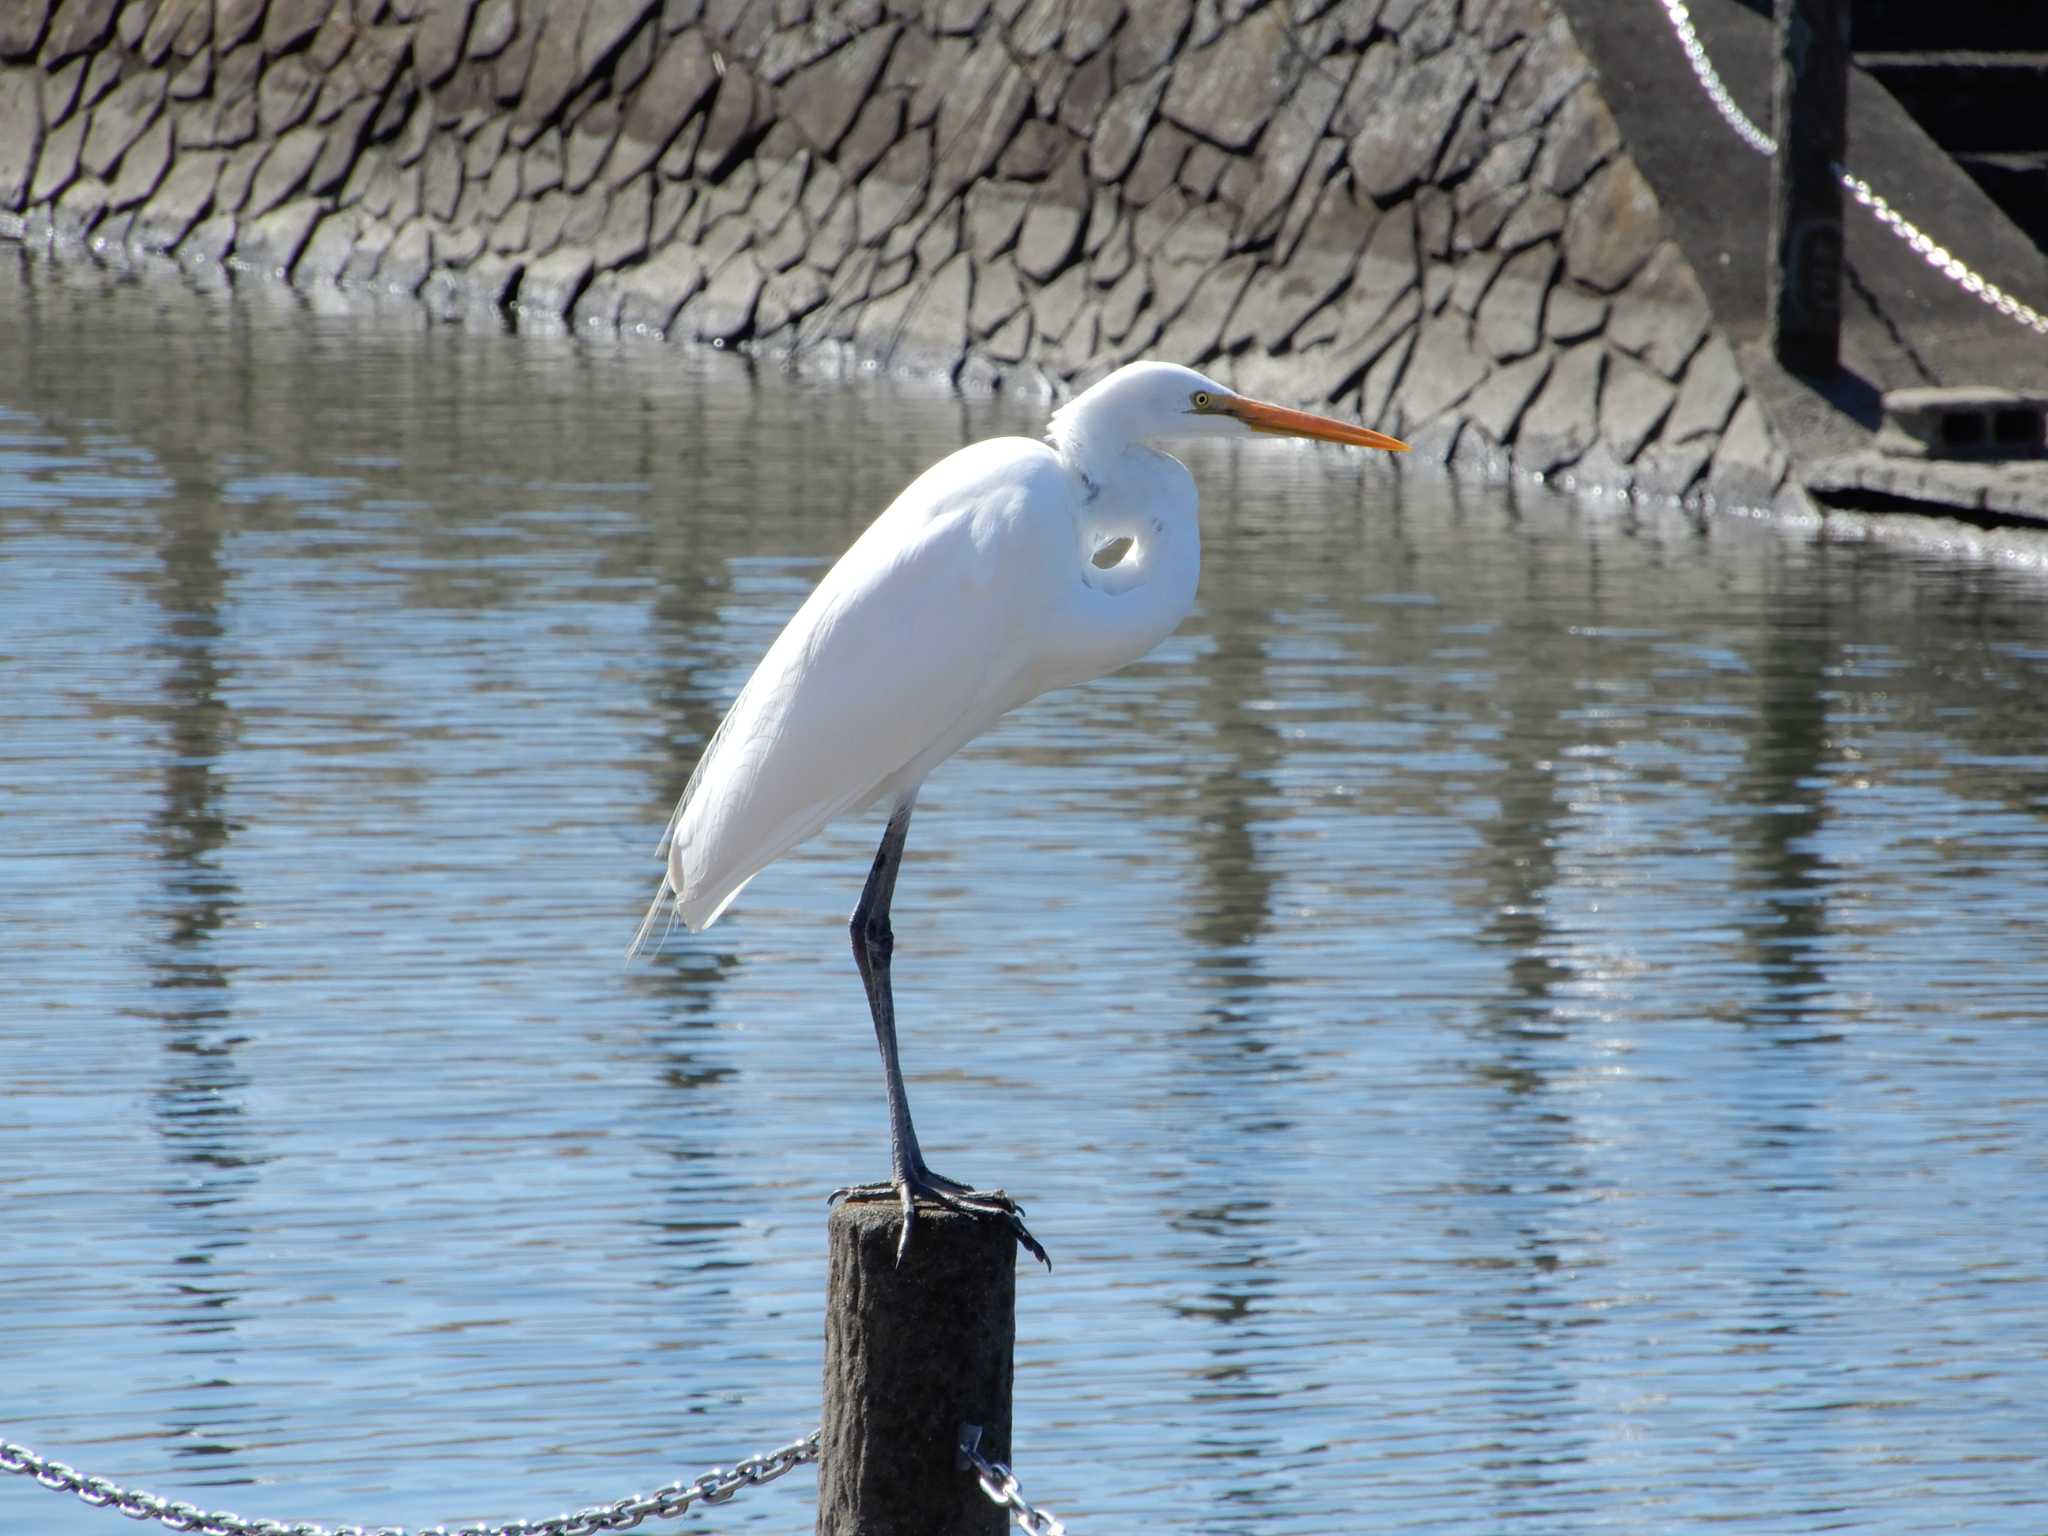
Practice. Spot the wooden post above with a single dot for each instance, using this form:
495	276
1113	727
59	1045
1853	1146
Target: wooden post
911	1353
1810	118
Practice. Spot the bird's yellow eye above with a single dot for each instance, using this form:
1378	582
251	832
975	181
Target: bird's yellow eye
1200	399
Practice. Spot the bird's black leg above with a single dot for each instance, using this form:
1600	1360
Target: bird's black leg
874	942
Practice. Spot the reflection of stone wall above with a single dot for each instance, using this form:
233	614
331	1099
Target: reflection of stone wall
1415	211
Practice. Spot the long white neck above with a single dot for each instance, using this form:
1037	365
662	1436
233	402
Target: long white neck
1126	492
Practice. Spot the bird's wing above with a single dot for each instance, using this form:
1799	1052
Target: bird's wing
927	629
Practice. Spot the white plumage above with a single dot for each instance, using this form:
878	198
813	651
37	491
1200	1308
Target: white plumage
978	589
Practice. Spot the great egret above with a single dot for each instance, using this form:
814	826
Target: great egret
1007	569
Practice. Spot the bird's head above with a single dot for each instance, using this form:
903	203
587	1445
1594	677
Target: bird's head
1143	402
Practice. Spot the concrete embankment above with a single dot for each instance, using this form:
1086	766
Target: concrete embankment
1419	212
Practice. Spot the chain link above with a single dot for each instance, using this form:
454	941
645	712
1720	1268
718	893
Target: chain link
1000	1484
664	1503
1922	244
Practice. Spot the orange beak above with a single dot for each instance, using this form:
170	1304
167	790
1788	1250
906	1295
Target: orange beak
1261	417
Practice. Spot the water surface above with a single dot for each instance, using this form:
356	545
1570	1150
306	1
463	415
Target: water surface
1524	1014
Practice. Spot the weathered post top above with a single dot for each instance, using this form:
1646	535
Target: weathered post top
1811	114
911	1353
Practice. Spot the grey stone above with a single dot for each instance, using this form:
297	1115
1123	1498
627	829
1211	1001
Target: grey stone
738	112
1409	128
1509	323
584	155
1707	396
491	281
119	121
1284	299
285	95
1572	314
341	148
21	134
142	167
283	171
624	235
1552	69
1632	406
273	242
57	165
553	73
1228	91
514	231
1193	333
723	311
997	297
289	24
328	249
1034	150
195	79
875	131
1538	216
1120	133
491	28
1150	35
1496	406
979	115
457	248
78	27
236	172
992	213
1050	239
1662	316
82	206
377	56
1485	198
441	176
408	259
1443	369
102	73
1612	228
373	239
1748	465
210	241
1665	469
1471	277
1581	139
1011	342
823	99
1331	371
609	24
21	27
652	292
588	211
550	216
1124	302
541	169
60	91
501	191
552	284
1564	420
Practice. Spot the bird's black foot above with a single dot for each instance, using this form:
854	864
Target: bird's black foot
954	1196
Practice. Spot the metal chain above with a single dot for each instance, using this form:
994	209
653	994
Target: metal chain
1000	1484
665	1503
1923	245
1710	80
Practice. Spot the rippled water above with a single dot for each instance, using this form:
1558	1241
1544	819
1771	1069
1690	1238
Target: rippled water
1520	1016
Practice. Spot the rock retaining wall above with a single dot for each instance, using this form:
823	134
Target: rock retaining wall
1417	212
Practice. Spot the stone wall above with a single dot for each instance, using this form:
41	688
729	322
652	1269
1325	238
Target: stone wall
1416	212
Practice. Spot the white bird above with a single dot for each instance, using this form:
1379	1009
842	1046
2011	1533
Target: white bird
1007	569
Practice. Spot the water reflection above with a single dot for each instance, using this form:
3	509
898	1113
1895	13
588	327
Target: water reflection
1520	1012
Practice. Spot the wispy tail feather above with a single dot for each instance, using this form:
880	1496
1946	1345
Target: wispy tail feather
662	898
